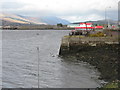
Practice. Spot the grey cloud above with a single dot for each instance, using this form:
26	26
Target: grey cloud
110	14
12	5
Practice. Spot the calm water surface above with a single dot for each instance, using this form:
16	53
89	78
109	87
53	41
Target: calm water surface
20	62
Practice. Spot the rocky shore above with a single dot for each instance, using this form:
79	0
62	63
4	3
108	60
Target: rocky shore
100	52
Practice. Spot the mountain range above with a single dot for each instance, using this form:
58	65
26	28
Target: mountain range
101	22
14	19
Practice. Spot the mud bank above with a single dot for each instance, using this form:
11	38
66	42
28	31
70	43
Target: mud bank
99	52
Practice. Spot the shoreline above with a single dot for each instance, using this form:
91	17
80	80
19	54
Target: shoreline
100	52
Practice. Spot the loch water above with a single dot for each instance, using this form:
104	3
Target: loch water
20	62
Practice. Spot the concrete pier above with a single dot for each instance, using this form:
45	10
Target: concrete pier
70	43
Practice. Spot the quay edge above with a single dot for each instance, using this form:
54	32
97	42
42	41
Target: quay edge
75	43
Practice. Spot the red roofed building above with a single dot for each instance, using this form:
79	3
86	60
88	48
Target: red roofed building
88	26
84	26
99	27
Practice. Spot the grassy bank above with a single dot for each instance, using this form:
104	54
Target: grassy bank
113	84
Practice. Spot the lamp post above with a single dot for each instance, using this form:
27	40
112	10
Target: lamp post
38	67
106	16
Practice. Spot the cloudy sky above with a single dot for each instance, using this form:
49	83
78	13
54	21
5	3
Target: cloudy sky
71	10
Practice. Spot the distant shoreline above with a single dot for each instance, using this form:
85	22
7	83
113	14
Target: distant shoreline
36	29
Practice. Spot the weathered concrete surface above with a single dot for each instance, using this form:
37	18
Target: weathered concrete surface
78	40
71	42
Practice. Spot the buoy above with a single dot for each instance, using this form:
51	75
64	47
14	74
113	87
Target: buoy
37	33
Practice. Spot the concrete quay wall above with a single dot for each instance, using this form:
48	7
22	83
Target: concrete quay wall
73	43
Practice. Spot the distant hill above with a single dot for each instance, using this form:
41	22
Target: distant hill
14	19
53	20
11	19
100	22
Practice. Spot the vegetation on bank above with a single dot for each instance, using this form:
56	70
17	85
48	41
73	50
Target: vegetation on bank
99	34
113	84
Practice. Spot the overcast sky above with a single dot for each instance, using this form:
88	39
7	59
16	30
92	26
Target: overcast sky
71	10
